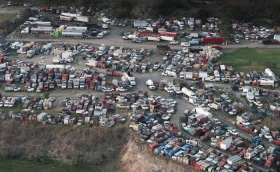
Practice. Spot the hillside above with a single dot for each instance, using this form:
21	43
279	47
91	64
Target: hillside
69	144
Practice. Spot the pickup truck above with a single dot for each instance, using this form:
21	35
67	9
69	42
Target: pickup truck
122	106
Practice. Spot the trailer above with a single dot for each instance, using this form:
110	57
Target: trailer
66	18
188	92
70	14
193	42
213	40
72	34
170	34
167	38
152	38
143	33
140	24
75	29
84	19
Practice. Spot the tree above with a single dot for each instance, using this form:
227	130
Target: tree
226	28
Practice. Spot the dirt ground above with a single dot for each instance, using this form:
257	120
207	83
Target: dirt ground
135	157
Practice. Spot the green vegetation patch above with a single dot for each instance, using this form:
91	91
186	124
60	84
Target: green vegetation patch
246	59
27	166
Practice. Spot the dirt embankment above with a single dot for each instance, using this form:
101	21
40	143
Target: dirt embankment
136	158
68	144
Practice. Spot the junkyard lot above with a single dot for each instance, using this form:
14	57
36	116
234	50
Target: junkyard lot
142	87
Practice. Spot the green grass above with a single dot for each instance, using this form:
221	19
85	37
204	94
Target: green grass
27	166
12	52
246	59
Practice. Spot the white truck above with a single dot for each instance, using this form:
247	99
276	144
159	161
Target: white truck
92	63
188	92
128	78
34	30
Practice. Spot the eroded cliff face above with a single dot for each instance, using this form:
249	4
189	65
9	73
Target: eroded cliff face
136	157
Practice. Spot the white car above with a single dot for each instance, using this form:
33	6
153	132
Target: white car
104	89
268	136
170	111
163	74
174	42
258	103
232	112
30	89
165	117
121	89
233	132
216	121
152	87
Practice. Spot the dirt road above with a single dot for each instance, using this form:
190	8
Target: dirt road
118	42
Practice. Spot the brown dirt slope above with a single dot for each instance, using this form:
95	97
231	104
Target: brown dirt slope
68	144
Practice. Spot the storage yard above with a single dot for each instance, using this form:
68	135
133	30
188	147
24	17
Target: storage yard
181	94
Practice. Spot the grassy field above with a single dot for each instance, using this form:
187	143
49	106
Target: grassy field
26	166
246	59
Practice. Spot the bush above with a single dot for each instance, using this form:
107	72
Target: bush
75	161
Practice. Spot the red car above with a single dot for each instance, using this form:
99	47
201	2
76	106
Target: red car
277	142
241	154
